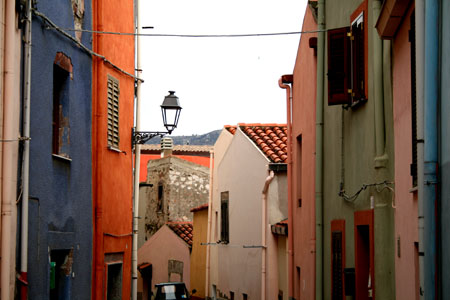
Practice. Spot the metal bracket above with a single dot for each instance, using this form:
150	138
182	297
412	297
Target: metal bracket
141	137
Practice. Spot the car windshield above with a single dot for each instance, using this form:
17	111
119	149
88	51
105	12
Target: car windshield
171	292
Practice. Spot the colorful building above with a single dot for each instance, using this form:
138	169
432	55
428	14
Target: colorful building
60	187
113	89
249	195
301	170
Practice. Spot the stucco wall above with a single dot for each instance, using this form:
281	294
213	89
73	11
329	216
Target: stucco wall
220	147
242	172
60	206
185	186
303	167
163	246
198	256
349	159
406	225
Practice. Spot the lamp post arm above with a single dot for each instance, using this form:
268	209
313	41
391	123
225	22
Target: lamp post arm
141	137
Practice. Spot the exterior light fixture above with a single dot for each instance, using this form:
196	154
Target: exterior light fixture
170	109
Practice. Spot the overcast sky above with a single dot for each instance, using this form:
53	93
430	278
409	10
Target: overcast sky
219	81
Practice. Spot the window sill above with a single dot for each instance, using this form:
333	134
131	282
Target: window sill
115	149
65	158
414	189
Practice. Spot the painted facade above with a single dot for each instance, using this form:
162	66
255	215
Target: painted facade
237	254
301	185
198	255
406	203
60	232
168	256
112	119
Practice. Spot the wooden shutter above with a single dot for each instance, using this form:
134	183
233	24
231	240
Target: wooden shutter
358	76
113	112
338	67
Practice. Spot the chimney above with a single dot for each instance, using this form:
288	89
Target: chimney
166	146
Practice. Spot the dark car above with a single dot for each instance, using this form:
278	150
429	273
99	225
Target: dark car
172	291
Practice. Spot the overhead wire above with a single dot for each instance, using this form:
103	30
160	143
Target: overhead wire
193	35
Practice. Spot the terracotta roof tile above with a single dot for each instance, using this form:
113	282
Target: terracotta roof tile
183	230
201	207
231	128
270	138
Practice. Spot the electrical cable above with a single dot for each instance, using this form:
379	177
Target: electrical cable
52	25
193	35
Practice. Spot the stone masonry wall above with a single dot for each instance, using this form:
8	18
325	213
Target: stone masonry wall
178	186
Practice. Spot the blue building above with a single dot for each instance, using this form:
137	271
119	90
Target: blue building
60	193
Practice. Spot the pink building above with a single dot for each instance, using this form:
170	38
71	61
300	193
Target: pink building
301	172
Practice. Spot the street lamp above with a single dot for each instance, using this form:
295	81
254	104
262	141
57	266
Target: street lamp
170	109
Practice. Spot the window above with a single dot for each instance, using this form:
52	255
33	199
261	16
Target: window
114	270
62	69
231	295
224	230
299	171
347	76
113	112
244	296
412	40
160	205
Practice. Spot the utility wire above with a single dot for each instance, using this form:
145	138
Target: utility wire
86	49
193	35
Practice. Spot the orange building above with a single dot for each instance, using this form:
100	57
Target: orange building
112	105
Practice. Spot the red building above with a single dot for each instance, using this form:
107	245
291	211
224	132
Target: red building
112	104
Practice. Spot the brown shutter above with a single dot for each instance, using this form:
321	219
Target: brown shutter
358	85
338	67
113	112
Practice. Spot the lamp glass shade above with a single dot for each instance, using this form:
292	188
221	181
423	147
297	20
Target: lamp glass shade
170	109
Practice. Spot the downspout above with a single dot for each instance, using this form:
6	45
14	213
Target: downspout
420	24
26	156
431	164
137	162
319	147
208	233
381	156
10	152
283	83
264	234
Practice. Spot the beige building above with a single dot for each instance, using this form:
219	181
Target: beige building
248	197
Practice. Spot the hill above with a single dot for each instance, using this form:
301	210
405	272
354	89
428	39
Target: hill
195	139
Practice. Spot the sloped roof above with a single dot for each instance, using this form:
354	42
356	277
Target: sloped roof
199	208
231	128
271	139
183	230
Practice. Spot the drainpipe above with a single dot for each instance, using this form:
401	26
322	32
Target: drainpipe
431	164
208	234
137	162
381	156
10	152
26	156
264	234
283	83
319	147
420	24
